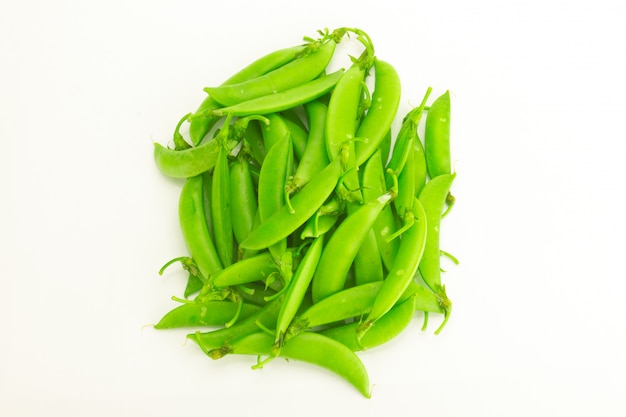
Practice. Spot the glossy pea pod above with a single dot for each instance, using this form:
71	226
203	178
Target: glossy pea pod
297	72
433	198
373	178
284	100
437	137
384	105
271	191
304	204
387	328
255	268
341	126
244	205
211	342
194	227
348	303
206	313
312	348
221	209
343	247
297	289
404	269
314	158
201	125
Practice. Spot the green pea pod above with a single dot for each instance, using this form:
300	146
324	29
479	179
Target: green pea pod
343	247
406	187
437	137
341	126
297	289
304	204
387	328
433	197
292	74
253	137
188	162
255	268
299	136
275	131
207	313
220	209
312	348
385	224
201	125
194	227
266	317
368	265
314	158
244	204
377	122
284	100
385	147
404	269
348	303
419	166
271	191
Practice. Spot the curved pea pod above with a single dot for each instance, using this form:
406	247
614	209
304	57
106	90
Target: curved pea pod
271	191
304	204
220	209
292	74
377	122
188	162
247	270
275	131
433	197
437	137
278	102
348	303
312	348
297	288
200	126
343	247
314	158
207	313
387	328
341	126
385	225
244	204
194	227
216	339
299	136
404	269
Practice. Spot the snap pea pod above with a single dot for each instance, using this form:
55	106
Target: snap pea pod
311	348
255	268
188	162
437	137
244	204
377	122
433	197
405	266
271	191
292	74
220	209
199	126
277	102
299	136
297	289
303	205
342	248
216	339
207	313
314	158
385	225
387	328
194	227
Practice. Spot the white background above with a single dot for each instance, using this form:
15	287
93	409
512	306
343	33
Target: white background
86	219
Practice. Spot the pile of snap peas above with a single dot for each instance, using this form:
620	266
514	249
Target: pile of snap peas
312	229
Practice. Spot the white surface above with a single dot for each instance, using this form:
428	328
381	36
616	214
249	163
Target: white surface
87	220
